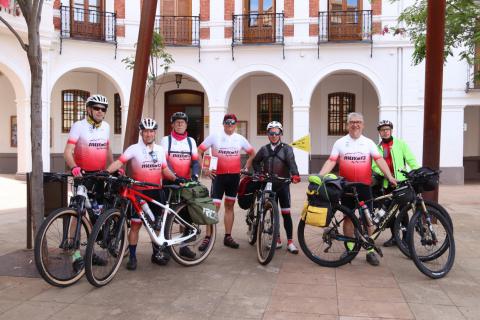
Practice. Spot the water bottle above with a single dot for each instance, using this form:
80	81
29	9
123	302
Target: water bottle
95	207
379	215
366	212
146	209
82	191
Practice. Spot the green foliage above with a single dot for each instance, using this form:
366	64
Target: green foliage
462	28
160	59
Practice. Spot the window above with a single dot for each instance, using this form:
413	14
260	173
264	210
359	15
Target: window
269	108
340	104
117	114
73	107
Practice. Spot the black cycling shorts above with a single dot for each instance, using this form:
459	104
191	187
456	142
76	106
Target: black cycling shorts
364	194
282	194
225	184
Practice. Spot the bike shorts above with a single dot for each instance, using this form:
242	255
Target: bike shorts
364	194
225	184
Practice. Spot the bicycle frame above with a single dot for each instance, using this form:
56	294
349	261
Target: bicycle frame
132	195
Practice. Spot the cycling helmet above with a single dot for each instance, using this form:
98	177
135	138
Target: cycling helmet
97	99
179	116
275	124
148	123
385	123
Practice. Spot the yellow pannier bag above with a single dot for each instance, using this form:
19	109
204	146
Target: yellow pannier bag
314	216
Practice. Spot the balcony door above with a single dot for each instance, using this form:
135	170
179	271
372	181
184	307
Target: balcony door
87	19
259	21
345	20
176	21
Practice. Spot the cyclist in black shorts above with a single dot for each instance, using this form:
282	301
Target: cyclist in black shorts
278	158
226	146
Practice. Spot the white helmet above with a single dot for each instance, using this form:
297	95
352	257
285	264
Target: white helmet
274	124
97	99
148	123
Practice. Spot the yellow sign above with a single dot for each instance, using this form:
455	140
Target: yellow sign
303	143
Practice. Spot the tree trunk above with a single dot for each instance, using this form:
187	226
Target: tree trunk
34	54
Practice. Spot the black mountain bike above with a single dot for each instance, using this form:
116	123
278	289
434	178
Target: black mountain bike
263	219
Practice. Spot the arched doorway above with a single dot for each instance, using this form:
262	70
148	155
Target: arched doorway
192	103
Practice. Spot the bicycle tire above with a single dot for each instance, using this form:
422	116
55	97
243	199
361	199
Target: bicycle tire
109	228
308	236
423	235
44	256
174	228
400	229
266	246
252	228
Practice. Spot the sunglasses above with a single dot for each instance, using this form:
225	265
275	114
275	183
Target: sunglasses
229	122
273	134
154	156
99	109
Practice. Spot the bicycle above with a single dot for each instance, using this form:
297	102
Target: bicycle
109	235
61	240
262	218
333	242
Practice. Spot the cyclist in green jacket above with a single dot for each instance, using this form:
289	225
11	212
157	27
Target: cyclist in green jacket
398	155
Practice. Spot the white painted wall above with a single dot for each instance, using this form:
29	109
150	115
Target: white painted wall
8	109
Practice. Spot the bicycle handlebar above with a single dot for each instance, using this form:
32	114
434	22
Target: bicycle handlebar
266	177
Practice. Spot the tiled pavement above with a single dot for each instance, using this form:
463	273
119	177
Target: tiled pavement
230	284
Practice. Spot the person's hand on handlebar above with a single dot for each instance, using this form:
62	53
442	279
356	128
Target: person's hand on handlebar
77	171
392	181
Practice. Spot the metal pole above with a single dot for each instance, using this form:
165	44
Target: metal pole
139	80
432	119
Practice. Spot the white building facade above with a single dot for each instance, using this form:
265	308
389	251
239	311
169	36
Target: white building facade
306	63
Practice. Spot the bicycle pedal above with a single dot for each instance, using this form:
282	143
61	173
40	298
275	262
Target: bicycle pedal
378	250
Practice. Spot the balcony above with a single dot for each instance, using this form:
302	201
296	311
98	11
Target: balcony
179	31
11	7
258	29
345	26
473	78
89	25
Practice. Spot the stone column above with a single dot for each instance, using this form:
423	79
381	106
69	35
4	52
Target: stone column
46	134
451	144
124	109
24	146
301	127
216	114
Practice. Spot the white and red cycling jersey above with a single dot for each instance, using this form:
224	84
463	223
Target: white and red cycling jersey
146	163
355	158
91	144
180	155
227	149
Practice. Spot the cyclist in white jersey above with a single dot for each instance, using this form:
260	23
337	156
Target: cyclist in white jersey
88	149
148	164
354	152
226	146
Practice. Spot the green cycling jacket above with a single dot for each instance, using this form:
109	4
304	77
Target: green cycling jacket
401	156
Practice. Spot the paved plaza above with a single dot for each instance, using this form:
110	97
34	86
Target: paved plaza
231	284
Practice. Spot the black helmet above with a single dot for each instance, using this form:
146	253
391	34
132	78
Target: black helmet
385	123
178	116
148	123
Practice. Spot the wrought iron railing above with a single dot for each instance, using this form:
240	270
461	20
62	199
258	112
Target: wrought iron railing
256	28
473	77
345	25
85	24
179	30
11	7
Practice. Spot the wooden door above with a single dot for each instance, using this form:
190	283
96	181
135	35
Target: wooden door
476	79
345	20
176	22
259	21
87	19
190	102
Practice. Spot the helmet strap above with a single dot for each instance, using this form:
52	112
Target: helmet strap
92	121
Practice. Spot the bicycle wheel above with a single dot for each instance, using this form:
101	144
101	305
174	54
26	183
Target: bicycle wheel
429	234
268	230
327	245
55	246
401	228
107	243
187	253
252	223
